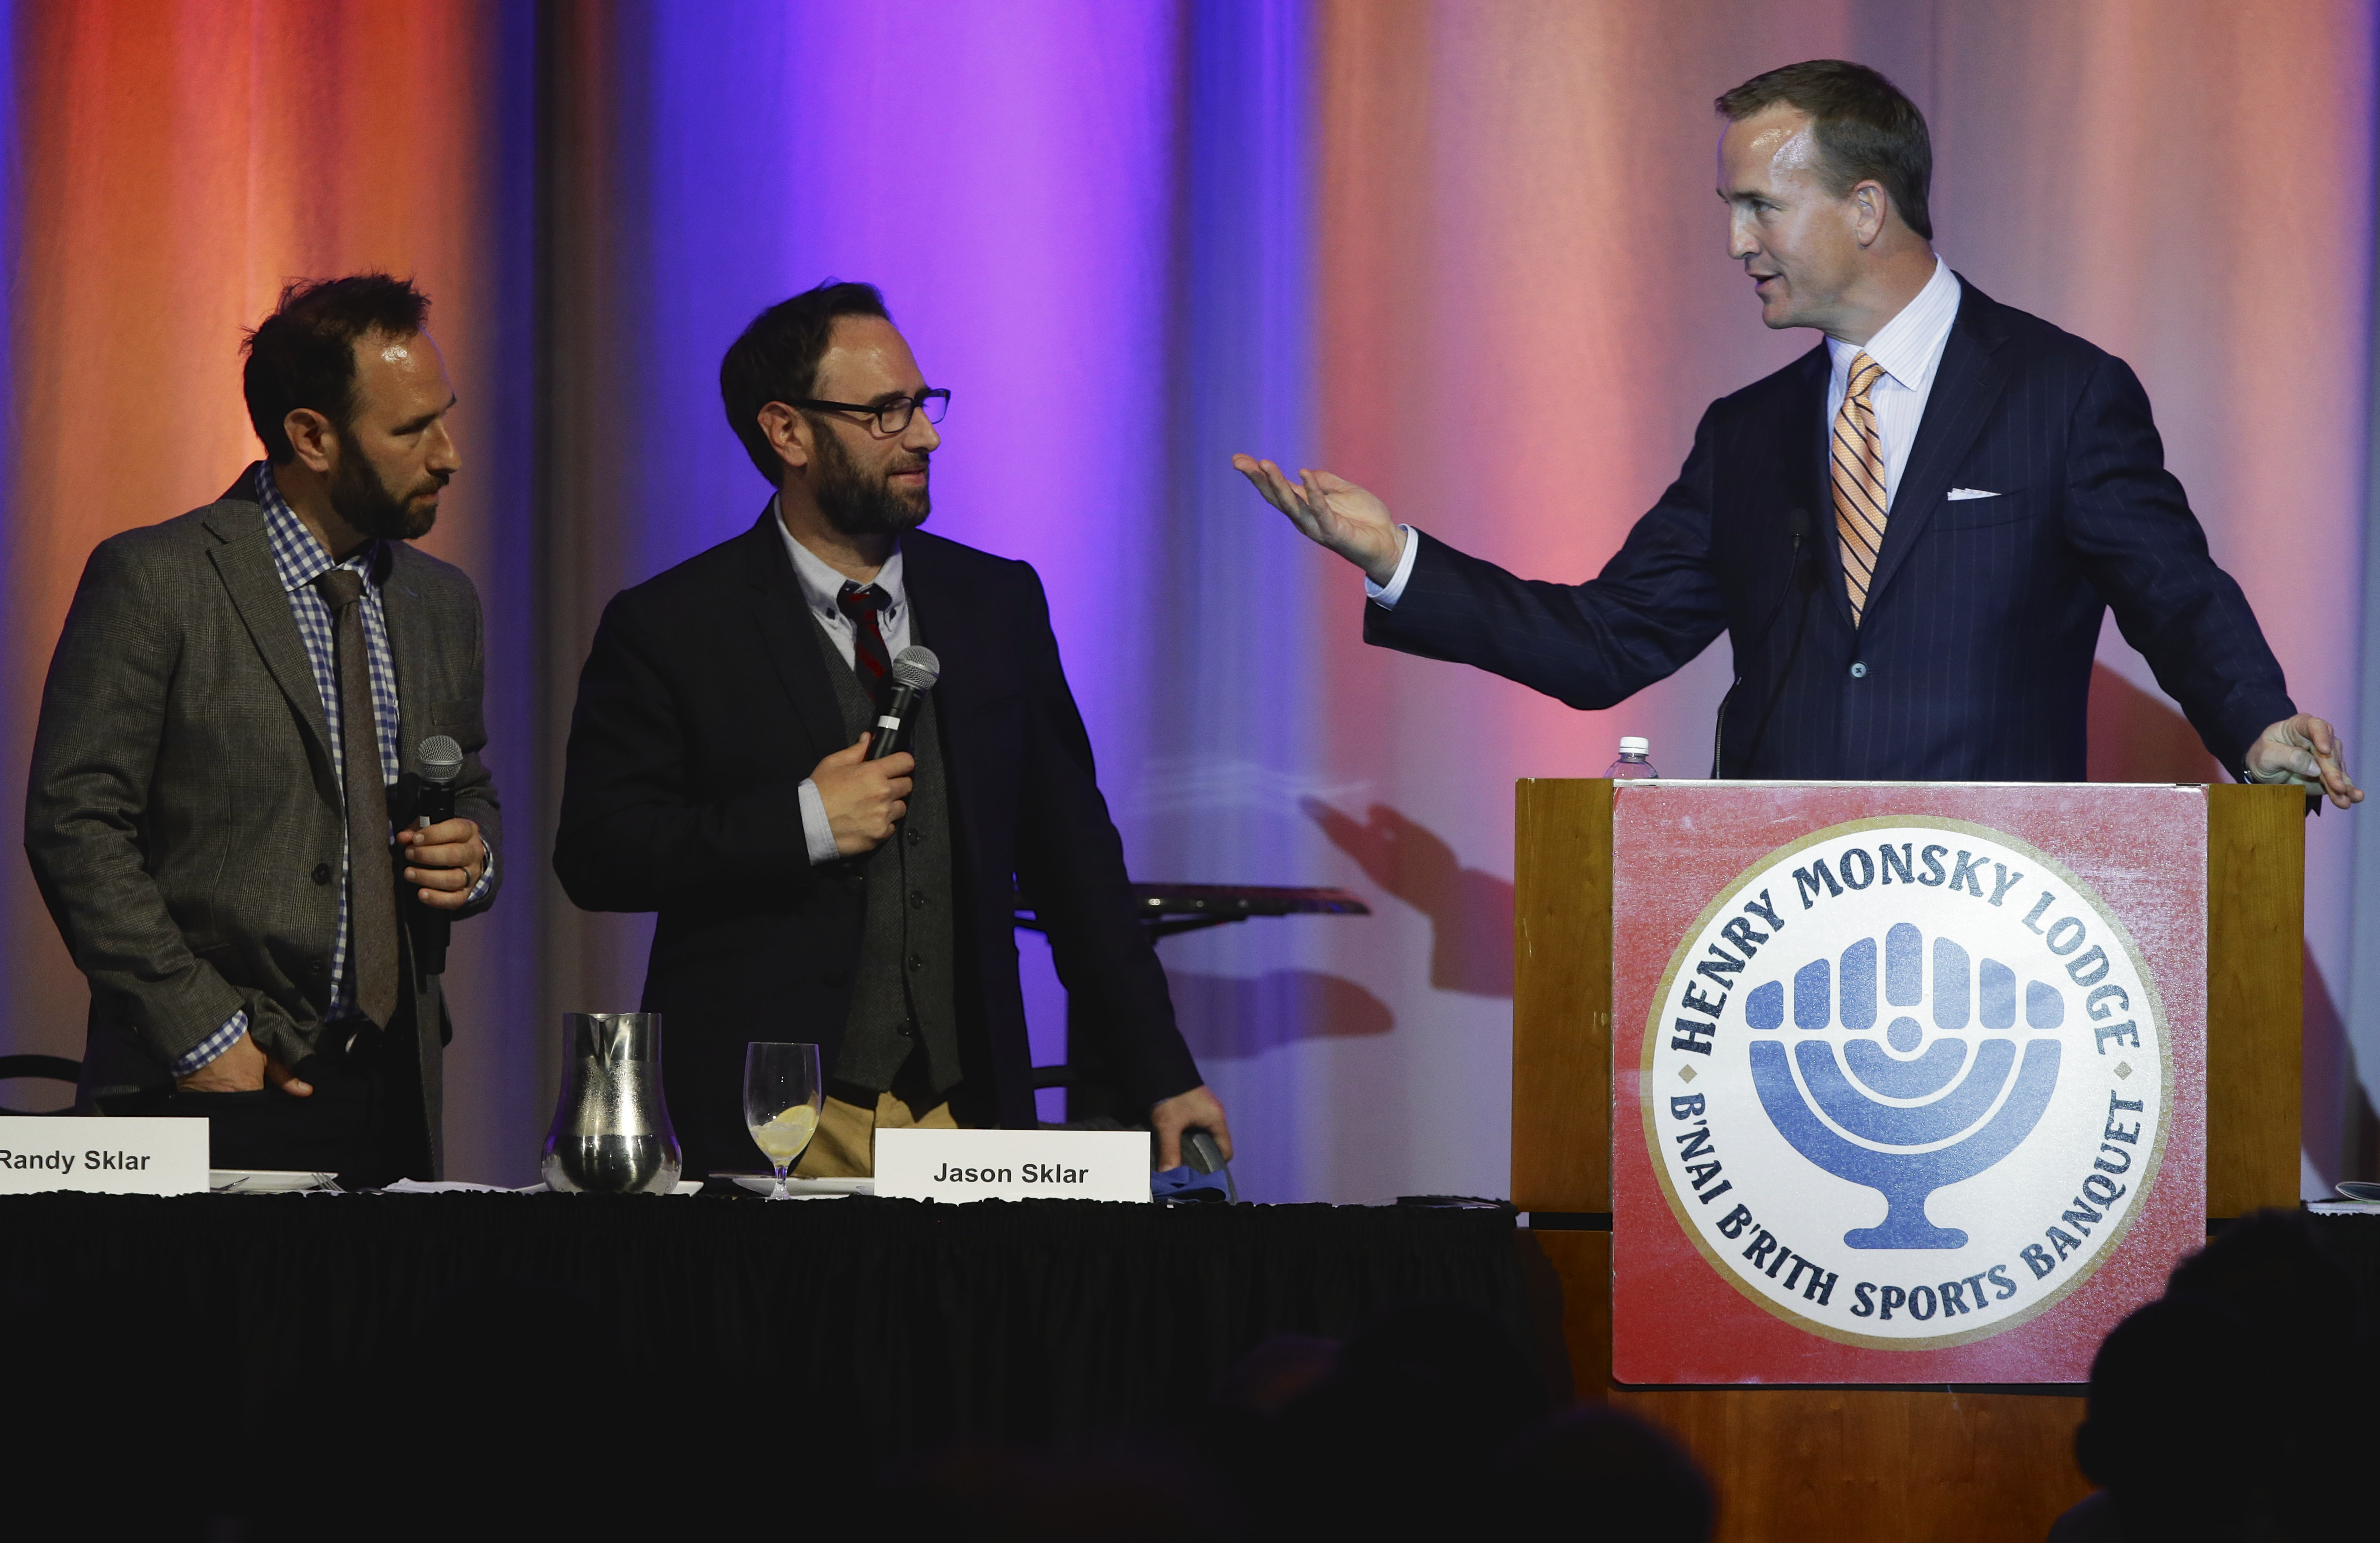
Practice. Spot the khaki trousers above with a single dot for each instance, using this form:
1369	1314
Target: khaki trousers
845	1146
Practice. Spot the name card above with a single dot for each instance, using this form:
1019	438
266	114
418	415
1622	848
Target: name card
127	1156
963	1165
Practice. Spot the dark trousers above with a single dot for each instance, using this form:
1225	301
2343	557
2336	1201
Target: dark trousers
362	1123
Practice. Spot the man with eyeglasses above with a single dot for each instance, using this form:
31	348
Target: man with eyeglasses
716	774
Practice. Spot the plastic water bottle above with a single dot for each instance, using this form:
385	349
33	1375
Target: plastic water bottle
1633	762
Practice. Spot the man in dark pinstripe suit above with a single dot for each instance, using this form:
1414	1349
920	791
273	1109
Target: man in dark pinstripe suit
1909	533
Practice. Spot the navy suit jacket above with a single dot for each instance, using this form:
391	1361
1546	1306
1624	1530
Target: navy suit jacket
704	704
1973	661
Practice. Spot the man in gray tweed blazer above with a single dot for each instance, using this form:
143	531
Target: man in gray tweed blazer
220	807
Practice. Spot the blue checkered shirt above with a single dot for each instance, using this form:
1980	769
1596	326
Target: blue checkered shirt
300	560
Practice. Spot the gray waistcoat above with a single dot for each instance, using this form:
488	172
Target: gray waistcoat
905	978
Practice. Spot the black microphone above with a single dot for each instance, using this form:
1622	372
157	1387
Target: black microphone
914	674
442	763
1205	1156
1797	525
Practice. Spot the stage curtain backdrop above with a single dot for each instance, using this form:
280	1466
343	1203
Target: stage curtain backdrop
1464	253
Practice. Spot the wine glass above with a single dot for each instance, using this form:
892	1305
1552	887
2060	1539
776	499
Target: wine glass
781	1099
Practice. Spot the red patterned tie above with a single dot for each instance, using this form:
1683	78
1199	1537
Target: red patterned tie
868	659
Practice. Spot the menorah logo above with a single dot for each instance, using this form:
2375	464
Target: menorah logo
1911	1123
1904	1080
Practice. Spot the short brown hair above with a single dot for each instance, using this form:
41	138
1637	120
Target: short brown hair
1864	126
776	359
304	354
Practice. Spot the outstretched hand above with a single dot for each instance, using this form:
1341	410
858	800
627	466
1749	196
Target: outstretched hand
1332	512
2304	750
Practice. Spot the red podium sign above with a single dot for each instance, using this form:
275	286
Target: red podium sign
1908	1079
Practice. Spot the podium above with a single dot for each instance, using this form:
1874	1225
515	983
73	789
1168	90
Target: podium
1850	1117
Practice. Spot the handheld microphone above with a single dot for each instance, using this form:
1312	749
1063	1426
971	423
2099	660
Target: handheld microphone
1204	1155
442	763
914	674
1797	525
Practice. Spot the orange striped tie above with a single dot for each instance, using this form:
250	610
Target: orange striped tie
1858	457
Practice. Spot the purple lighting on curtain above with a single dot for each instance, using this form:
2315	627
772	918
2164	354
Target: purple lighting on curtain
1464	254
1002	174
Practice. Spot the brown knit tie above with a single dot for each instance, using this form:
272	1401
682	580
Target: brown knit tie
371	883
1858	456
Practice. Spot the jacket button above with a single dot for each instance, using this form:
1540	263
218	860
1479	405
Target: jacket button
1859	672
916	836
907	1031
916	899
857	884
322	873
916	963
317	968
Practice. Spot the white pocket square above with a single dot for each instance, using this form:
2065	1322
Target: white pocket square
1973	493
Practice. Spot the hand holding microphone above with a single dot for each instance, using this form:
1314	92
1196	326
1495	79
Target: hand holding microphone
865	786
445	857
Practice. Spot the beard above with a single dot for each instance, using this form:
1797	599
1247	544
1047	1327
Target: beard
366	504
858	504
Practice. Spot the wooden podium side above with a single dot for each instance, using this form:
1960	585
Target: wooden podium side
1919	1465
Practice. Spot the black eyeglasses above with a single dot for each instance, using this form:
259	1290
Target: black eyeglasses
892	417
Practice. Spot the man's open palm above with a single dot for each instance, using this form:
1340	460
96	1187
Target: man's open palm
1333	513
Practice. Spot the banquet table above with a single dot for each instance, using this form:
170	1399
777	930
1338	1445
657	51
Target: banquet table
859	1328
861	1323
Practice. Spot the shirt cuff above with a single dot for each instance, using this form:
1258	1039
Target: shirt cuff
487	874
215	1044
1386	595
817	834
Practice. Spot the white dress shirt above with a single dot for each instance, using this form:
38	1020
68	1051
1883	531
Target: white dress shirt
821	586
1909	347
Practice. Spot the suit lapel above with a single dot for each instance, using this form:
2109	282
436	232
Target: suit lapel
1804	452
782	615
244	562
939	611
1967	385
401	606
943	614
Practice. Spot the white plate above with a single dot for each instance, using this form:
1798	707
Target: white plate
2359	1190
802	1188
265	1181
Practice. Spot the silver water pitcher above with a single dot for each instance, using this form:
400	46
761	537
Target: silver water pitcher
612	1132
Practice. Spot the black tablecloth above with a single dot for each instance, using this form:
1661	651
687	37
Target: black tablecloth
2352	1241
329	1334
876	1326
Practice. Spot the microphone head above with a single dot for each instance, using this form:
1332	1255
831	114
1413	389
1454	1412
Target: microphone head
442	759
1797	525
917	669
